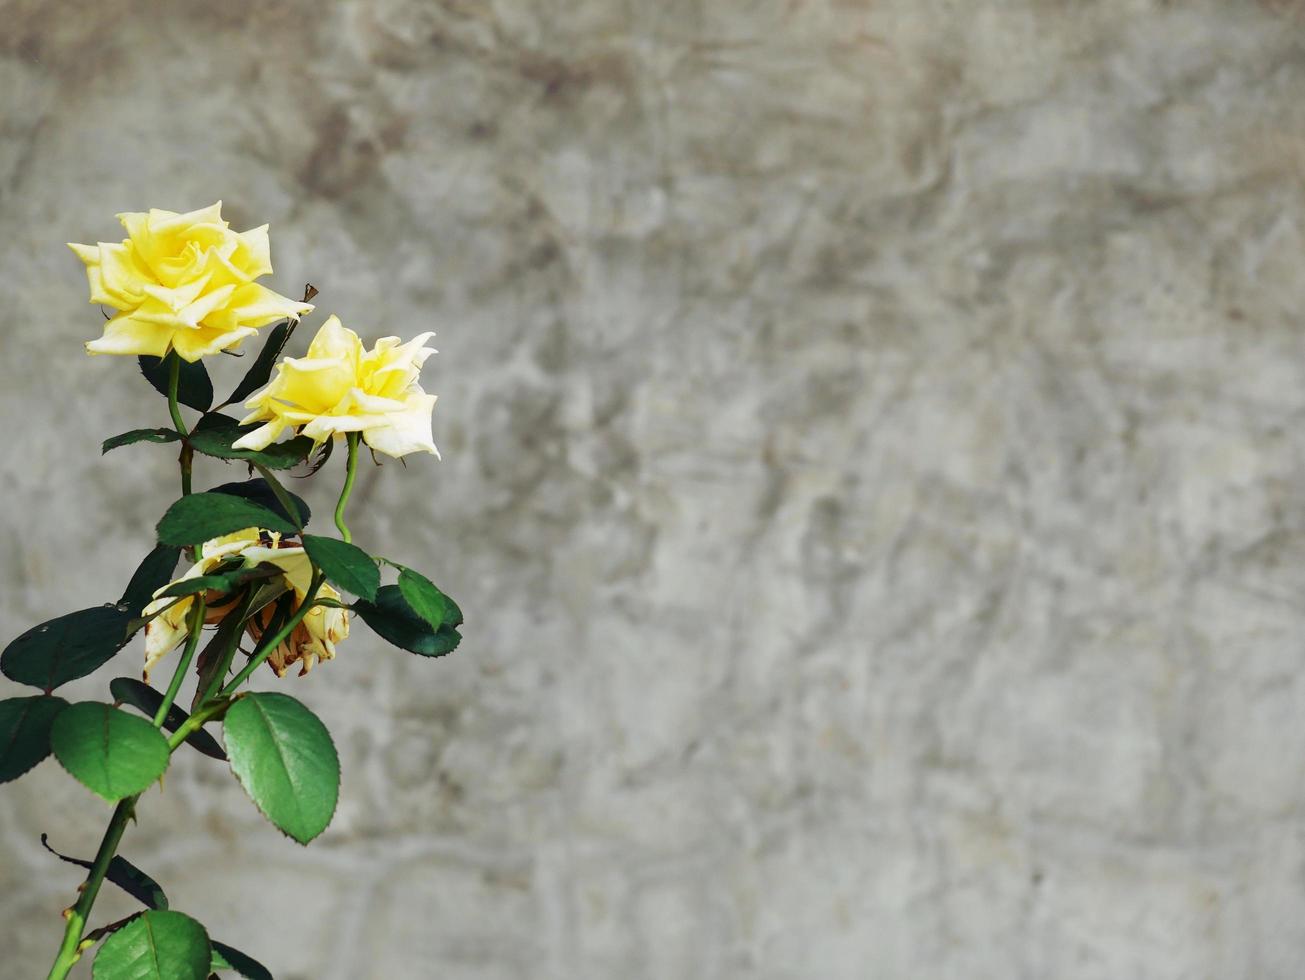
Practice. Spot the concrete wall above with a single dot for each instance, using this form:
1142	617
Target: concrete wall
873	475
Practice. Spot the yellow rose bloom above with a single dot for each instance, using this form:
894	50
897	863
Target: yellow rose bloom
341	387
182	282
312	640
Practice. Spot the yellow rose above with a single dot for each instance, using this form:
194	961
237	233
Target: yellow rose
182	282
340	387
312	640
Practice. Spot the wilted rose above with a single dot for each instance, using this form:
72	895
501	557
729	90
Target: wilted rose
312	640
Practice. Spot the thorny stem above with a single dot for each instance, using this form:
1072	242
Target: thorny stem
70	950
213	704
352	438
72	947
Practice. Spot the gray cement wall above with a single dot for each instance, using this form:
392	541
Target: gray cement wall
873	474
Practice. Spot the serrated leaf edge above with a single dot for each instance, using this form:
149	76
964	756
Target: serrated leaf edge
334	808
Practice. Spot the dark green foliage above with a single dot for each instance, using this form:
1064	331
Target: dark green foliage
125	875
427	601
227	958
345	565
154	572
25	732
391	618
128	690
139	435
202	516
224	582
261	369
66	648
257	491
194	388
215	433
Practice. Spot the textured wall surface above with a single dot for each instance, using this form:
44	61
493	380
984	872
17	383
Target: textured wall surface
872	474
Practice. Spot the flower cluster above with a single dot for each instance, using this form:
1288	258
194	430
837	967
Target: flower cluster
183	287
185	284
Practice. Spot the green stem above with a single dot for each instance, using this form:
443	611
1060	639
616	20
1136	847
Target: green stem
195	722
174	378
69	950
265	651
195	624
352	438
184	460
237	621
187	454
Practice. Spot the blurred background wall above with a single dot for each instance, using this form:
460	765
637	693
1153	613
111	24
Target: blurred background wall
871	476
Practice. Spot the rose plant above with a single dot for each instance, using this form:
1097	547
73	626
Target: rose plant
183	288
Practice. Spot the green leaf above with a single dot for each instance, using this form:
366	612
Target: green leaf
215	433
259	492
261	369
155	946
222	581
285	759
66	648
25	732
279	614
109	751
427	601
227	958
392	619
212	657
144	698
125	875
139	435
136	883
193	385
344	564
202	516
108	929
154	572
267	593
190	586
